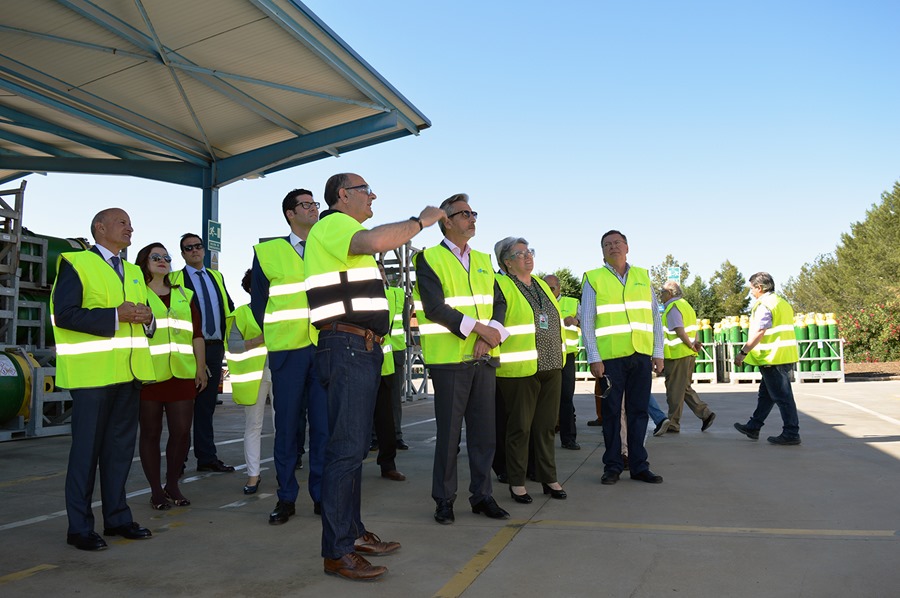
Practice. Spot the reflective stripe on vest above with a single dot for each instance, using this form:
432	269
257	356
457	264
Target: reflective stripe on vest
341	285
675	347
518	353
471	293
779	343
624	323
172	344
286	319
397	300
387	365
568	306
88	361
245	370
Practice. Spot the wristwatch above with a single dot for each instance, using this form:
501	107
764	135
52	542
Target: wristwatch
419	220
742	352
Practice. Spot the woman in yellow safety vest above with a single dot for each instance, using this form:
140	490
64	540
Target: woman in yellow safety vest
530	374
251	382
179	361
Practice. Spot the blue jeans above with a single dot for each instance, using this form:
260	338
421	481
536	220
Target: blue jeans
775	389
296	390
632	376
350	375
656	414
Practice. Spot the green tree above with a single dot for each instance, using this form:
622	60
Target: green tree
569	285
814	288
863	269
730	290
702	299
659	274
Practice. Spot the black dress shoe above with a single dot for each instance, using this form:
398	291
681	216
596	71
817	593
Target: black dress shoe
489	507
299	464
531	476
443	513
525	499
557	494
317	508
708	422
502	478
373	446
572	446
595	422
401	445
216	466
86	541
283	511
647	476
748	432
625	462
130	531
609	478
252	488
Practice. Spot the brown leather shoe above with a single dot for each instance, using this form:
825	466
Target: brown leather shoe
393	474
353	567
371	545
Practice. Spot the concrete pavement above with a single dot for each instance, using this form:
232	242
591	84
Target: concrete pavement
734	517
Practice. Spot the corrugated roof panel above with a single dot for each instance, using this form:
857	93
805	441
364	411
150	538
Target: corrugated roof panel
79	89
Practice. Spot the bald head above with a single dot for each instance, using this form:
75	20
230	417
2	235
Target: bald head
553	282
673	287
112	229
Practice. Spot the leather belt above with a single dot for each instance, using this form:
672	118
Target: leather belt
213	342
371	338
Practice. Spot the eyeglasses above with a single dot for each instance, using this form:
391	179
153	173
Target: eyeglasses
365	188
523	253
187	248
611	244
155	257
467	214
605	393
306	205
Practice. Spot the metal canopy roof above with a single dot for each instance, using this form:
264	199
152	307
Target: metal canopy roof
199	92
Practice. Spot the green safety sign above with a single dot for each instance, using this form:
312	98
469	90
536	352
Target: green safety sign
214	235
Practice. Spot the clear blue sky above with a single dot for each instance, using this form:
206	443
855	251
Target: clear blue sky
752	132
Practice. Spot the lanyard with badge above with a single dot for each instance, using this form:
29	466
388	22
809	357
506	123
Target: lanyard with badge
536	294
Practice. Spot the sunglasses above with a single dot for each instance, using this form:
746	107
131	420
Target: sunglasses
155	257
187	248
605	381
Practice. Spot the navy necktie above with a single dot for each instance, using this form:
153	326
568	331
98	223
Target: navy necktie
209	324
115	260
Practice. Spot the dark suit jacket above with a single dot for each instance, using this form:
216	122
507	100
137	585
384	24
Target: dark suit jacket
431	292
190	284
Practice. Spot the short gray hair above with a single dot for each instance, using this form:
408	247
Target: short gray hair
447	205
502	247
673	287
764	281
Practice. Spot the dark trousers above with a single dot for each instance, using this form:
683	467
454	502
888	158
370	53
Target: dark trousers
384	423
104	429
462	394
631	376
567	431
296	390
775	389
350	375
397	389
532	406
205	407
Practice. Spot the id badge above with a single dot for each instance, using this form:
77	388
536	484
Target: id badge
543	321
